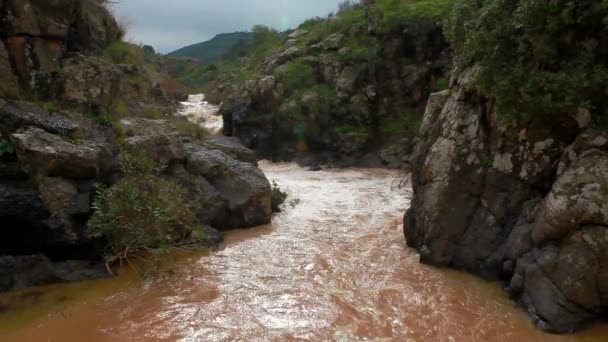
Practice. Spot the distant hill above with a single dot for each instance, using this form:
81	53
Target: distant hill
212	50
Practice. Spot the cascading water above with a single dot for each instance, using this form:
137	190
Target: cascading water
202	113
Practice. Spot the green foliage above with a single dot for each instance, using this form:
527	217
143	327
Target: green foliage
217	48
442	83
138	165
361	49
143	211
278	197
298	75
6	148
124	53
536	57
186	127
151	113
360	131
406	125
419	16
348	6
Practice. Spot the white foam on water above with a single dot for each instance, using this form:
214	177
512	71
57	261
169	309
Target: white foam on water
202	113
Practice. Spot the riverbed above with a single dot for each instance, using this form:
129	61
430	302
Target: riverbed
333	266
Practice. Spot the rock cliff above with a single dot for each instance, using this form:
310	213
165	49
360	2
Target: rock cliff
69	113
523	202
344	90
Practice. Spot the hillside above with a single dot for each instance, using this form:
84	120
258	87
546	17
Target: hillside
214	49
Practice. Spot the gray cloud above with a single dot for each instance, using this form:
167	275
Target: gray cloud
169	25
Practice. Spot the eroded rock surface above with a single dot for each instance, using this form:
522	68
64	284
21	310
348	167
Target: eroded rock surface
521	202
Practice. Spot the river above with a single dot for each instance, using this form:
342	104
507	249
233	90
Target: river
333	266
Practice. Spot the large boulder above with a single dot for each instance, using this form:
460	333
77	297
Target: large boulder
90	80
15	115
18	272
156	139
233	148
44	154
241	184
524	201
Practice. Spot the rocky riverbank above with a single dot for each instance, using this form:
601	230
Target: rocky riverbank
71	116
523	203
343	90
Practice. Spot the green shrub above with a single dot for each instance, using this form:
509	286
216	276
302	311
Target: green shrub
143	212
536	57
131	164
124	53
6	148
360	131
298	75
278	197
188	128
419	16
442	83
361	49
406	125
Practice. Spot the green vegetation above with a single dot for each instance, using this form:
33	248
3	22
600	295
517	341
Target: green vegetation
298	75
216	48
240	58
143	213
536	57
188	128
6	148
359	131
278	197
406	125
124	53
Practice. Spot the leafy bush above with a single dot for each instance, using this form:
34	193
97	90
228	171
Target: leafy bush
406	125
278	197
124	53
360	131
6	148
421	15
298	75
143	212
348	5
138	165
536	57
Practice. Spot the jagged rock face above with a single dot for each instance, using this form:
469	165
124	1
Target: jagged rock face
37	34
241	185
524	202
47	188
363	96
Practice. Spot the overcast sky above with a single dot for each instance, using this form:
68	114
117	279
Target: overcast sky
169	25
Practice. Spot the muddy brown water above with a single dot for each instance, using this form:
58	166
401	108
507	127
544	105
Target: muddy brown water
333	267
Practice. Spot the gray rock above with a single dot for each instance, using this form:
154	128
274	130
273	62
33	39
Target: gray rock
156	139
232	147
15	115
298	33
26	271
578	197
289	54
43	154
347	80
242	185
9	86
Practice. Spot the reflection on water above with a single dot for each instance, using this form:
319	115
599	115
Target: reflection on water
334	267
